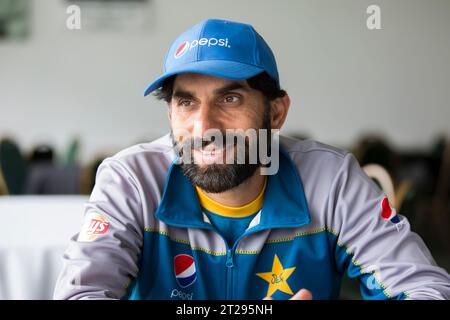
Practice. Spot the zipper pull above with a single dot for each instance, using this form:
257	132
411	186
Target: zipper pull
229	263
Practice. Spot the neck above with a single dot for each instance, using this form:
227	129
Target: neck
241	195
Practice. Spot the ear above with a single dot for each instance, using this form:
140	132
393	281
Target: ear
279	111
169	111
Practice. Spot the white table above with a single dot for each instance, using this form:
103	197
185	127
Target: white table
34	232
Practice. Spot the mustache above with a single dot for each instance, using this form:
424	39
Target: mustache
198	143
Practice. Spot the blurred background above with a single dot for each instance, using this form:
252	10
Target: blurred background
72	95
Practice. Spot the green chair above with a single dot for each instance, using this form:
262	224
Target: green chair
13	167
3	188
71	154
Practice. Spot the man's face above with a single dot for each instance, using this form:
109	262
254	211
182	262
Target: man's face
201	103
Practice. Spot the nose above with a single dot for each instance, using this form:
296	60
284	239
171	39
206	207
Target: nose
205	120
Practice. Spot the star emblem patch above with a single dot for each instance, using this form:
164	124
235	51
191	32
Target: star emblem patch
277	278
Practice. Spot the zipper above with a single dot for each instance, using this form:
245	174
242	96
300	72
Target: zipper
230	261
230	265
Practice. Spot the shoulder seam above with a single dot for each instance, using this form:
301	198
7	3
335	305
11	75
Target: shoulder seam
119	156
340	155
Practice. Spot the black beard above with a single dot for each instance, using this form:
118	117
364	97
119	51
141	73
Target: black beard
218	178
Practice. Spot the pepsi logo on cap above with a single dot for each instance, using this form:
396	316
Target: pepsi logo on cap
184	268
182	49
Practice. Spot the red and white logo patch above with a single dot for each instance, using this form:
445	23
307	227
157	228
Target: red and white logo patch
388	213
95	225
182	49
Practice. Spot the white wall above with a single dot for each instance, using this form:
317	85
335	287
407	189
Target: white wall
343	79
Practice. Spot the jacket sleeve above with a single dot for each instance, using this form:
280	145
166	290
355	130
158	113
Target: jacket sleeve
376	245
101	259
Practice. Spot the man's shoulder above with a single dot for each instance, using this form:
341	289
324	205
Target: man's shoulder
311	148
159	147
316	160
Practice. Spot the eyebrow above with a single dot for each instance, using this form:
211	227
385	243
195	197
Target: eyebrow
179	93
230	87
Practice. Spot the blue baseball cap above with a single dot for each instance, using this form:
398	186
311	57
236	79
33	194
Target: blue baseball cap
219	48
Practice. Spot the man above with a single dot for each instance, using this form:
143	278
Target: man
193	215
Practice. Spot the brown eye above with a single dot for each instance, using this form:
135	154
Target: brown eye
231	99
185	103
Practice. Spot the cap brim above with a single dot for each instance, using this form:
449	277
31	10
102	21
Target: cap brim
217	68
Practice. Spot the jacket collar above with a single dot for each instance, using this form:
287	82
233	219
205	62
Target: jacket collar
284	205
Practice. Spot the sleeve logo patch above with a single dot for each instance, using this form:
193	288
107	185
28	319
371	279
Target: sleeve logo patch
390	214
94	226
387	213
